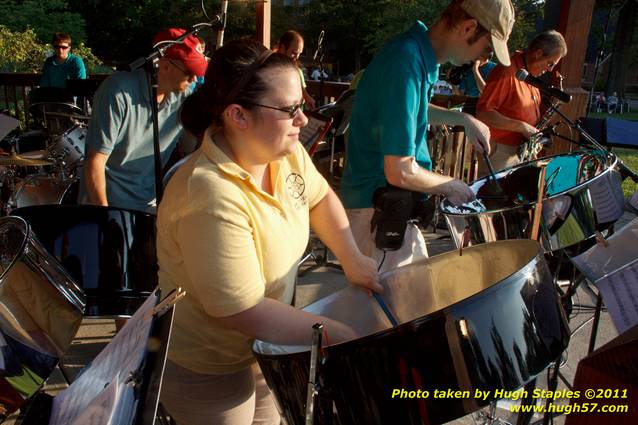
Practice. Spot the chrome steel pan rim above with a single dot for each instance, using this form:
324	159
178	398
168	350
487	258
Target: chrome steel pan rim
495	286
504	172
22	223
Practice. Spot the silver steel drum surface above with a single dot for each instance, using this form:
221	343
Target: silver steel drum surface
40	313
44	189
583	194
489	319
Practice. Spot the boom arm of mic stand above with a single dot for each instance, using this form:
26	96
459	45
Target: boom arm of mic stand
160	48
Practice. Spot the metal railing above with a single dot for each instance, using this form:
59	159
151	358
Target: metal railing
15	89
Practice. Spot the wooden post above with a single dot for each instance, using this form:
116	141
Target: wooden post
574	23
262	32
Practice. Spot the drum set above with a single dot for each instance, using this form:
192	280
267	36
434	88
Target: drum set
44	165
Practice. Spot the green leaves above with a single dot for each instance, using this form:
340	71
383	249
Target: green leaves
23	52
44	16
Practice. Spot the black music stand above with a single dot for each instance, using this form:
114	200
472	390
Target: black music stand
315	131
310	137
84	90
145	380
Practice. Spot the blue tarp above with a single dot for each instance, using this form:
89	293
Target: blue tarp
622	133
612	131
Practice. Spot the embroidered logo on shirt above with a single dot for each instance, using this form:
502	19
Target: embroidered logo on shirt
296	185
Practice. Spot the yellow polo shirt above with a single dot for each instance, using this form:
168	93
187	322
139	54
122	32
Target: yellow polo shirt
229	244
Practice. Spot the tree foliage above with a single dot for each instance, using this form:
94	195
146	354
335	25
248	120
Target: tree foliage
23	52
20	51
529	17
120	30
356	29
45	17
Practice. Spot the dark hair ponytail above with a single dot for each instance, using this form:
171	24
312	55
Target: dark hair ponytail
233	76
195	114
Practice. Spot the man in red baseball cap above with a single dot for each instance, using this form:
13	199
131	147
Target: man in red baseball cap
119	168
185	56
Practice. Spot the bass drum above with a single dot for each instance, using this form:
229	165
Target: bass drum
487	320
43	189
583	194
40	313
110	252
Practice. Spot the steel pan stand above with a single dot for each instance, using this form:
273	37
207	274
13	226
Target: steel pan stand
315	360
320	260
490	417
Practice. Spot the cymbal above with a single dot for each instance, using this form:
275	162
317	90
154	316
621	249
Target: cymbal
18	160
35	154
67	115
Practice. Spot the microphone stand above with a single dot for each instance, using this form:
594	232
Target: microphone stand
220	30
319	54
151	64
590	141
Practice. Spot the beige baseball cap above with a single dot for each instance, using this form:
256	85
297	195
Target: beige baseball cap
496	16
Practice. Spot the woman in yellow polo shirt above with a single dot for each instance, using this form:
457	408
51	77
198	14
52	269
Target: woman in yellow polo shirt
232	226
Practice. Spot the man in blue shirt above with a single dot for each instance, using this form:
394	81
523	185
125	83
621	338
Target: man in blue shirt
119	169
387	143
63	65
473	80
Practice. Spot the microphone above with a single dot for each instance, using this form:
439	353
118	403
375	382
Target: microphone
319	43
523	75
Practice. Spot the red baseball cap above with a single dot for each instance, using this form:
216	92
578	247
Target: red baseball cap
185	52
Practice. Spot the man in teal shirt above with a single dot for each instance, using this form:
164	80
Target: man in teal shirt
474	78
390	117
63	65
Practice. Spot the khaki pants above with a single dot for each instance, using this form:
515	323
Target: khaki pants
501	157
413	247
240	398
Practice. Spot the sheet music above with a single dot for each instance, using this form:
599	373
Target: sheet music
620	293
309	133
101	409
601	260
124	354
607	197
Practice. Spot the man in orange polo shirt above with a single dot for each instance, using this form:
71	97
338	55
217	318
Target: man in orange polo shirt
511	108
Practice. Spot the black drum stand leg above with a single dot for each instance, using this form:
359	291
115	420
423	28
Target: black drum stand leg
528	400
552	384
162	417
489	417
594	329
320	260
64	373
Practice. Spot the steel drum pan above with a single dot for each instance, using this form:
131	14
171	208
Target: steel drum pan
110	252
40	313
582	195
489	319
